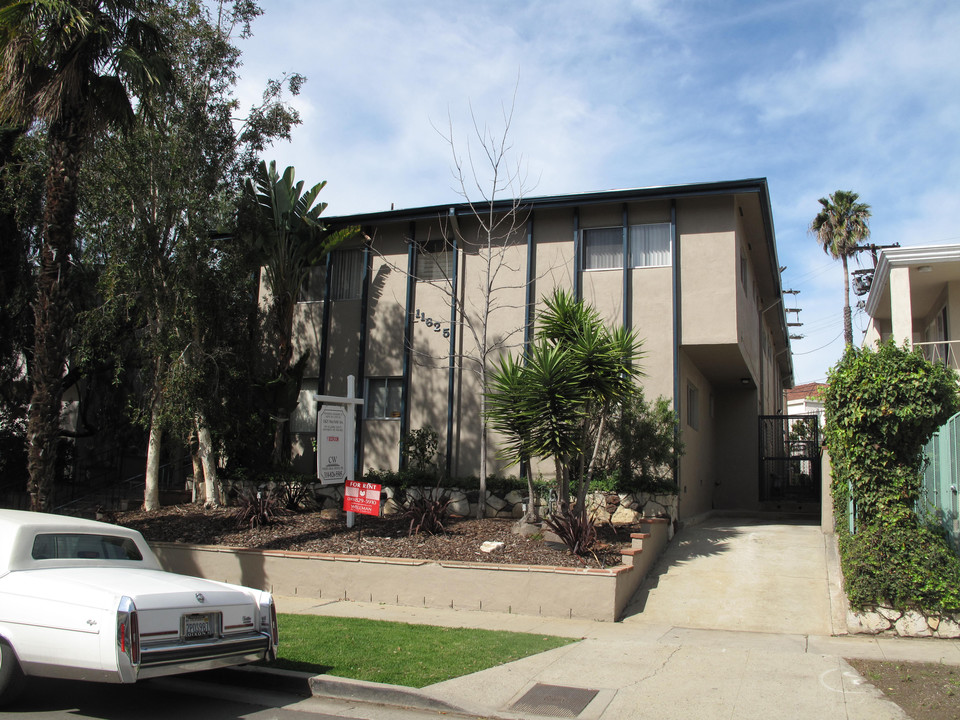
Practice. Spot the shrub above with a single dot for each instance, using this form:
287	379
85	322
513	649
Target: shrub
419	447
640	447
881	408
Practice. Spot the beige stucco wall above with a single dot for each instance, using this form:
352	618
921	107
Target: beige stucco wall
709	270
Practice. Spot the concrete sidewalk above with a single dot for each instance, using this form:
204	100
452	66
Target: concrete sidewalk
735	621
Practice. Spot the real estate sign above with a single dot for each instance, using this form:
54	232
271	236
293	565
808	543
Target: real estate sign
332	444
361	497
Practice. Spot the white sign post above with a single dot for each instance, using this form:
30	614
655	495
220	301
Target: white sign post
336	438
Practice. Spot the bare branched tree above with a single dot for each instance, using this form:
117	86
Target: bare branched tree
482	183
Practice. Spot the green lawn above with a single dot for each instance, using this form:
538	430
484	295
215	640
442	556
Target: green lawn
398	653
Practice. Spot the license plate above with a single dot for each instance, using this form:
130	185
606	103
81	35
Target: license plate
198	626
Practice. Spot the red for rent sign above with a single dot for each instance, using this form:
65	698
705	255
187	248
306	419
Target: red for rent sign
361	497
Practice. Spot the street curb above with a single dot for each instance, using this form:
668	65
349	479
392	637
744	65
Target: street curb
379	693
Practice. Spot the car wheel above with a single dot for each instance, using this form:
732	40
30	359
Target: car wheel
12	679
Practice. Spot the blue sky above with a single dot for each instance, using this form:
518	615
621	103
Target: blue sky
815	96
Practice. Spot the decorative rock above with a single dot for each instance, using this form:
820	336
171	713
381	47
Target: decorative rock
491	546
525	529
933	623
331	513
948	627
889	613
496	503
624	516
459	507
912	624
517	511
391	507
871	623
513	498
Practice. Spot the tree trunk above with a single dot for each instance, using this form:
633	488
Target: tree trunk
151	485
847	320
197	476
482	500
207	460
533	510
54	311
563	487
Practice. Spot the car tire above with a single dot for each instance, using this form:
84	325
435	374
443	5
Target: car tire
12	679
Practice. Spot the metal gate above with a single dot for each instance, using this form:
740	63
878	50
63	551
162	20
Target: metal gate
790	458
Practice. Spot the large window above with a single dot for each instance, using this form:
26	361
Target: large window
648	246
346	280
435	261
347	274
384	397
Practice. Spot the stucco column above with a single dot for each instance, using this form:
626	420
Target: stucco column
901	310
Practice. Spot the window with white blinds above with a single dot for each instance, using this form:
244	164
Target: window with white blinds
435	261
648	246
347	273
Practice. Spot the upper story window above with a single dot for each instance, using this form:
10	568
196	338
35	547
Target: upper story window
435	261
648	245
346	278
347	274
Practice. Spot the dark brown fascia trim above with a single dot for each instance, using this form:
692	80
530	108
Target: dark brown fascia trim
667	192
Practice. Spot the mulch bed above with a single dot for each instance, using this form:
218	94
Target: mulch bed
373	536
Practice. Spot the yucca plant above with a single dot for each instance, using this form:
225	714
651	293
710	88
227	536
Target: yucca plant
256	509
427	514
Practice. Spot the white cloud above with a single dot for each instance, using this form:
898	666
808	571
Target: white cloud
813	95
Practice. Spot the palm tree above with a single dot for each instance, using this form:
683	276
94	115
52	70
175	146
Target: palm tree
840	227
72	67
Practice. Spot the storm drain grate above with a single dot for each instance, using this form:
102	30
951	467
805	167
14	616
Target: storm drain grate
554	700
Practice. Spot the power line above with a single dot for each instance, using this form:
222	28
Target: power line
822	346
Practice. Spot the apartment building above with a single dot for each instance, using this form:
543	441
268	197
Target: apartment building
692	268
915	298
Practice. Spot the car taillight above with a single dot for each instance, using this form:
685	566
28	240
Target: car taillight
274	628
128	630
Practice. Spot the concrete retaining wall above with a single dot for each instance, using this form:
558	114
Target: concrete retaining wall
597	594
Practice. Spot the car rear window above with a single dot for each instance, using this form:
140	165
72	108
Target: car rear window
79	546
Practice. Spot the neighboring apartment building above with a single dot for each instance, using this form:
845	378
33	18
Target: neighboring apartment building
915	298
806	399
692	268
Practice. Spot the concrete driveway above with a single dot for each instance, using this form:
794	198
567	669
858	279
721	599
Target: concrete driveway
743	574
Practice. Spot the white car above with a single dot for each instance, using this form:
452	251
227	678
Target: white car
89	601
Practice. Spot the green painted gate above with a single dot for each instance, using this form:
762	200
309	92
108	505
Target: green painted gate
939	501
